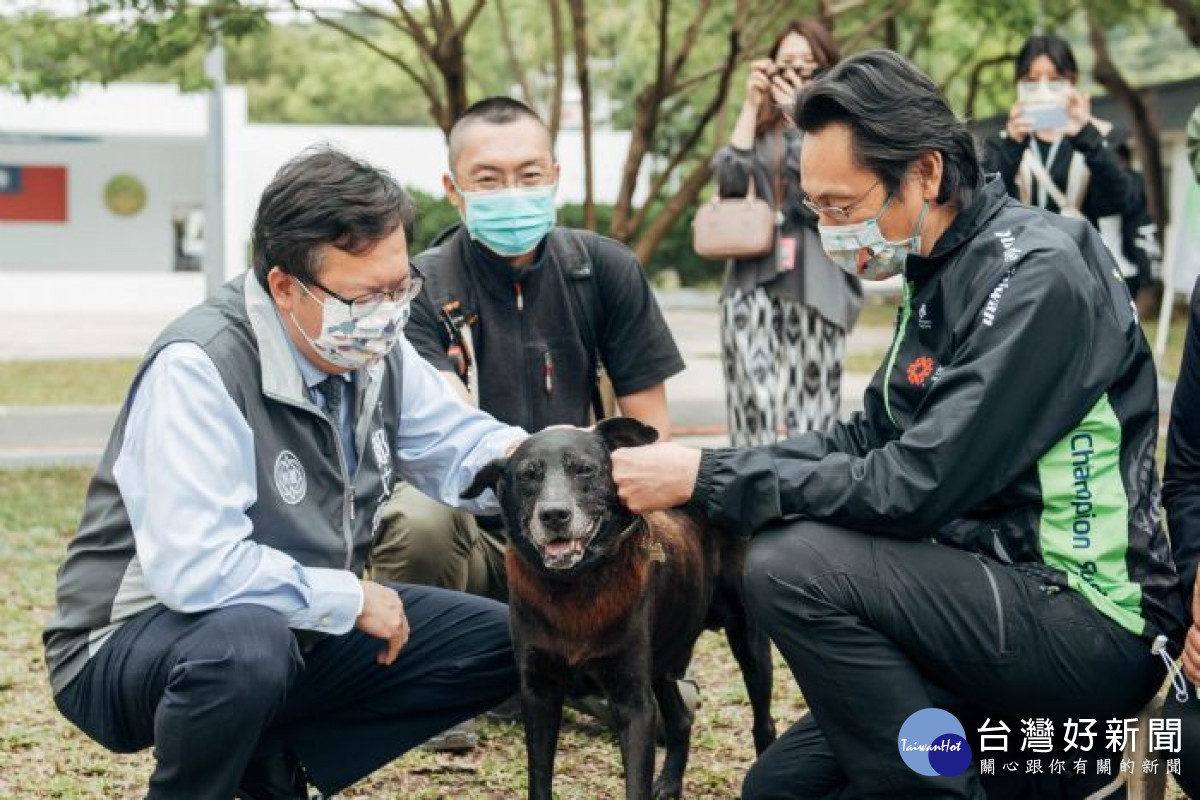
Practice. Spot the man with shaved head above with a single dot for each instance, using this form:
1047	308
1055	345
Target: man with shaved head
520	316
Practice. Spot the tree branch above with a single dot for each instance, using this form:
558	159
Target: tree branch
1188	14
878	21
660	71
510	50
688	42
416	30
426	88
558	48
578	12
976	75
921	33
469	20
696	132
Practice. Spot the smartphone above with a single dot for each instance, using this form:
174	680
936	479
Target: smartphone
1044	103
1046	116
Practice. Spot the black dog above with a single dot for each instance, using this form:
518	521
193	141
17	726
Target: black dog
602	600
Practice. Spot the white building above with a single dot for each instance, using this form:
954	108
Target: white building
151	138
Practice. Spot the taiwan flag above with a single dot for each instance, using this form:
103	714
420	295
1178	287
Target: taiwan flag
33	194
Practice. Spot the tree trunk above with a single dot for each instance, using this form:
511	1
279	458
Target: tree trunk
559	51
451	65
510	52
645	124
1188	14
583	76
976	76
1141	116
647	244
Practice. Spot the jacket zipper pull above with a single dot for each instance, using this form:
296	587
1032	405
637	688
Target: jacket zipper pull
548	372
350	497
520	297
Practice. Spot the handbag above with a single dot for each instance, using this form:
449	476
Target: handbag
739	227
736	227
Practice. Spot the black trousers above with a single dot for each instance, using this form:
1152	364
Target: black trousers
875	629
211	690
1188	715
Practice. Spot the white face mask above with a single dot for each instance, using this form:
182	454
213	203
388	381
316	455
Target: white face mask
356	342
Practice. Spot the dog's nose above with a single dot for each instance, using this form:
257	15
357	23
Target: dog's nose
554	515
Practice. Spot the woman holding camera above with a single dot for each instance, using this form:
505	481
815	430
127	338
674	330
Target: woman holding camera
1052	152
784	316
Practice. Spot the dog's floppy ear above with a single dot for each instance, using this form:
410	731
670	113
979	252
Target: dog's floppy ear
625	432
487	478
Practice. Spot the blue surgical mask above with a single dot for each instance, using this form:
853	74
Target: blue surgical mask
510	222
862	250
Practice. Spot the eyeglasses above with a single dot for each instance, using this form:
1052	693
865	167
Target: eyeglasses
367	304
839	213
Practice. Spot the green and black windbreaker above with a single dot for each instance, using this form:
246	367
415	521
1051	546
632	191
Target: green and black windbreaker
1015	416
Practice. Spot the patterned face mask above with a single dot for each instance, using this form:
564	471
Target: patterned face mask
862	250
352	341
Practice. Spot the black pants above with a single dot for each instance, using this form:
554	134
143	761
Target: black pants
1188	715
211	690
876	629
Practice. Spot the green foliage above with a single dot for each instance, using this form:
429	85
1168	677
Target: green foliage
43	53
434	215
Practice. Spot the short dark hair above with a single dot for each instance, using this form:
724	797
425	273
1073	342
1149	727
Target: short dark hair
1053	47
498	110
325	197
895	114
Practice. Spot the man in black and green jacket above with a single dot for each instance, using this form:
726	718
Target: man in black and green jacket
985	536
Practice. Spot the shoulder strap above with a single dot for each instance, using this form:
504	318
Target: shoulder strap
450	293
573	254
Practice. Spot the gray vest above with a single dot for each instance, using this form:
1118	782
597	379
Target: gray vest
306	506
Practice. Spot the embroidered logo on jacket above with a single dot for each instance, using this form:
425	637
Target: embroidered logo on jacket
289	478
919	370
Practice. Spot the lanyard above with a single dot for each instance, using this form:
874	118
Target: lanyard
1050	156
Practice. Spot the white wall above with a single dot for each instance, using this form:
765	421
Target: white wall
93	238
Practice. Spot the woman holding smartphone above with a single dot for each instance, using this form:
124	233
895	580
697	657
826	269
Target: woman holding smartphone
785	316
1052	153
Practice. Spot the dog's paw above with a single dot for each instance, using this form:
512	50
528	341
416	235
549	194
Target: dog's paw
667	789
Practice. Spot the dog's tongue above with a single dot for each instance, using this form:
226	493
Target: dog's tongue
558	547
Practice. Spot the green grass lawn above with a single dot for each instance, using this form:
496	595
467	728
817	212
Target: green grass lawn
41	755
65	383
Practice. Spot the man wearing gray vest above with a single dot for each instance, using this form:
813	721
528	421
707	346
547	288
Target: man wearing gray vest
211	603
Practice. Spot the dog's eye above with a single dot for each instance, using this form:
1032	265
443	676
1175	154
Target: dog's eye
529	472
585	470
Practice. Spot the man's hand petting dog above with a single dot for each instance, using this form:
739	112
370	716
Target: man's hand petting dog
383	617
655	477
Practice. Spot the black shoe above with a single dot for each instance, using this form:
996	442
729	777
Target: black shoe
508	711
278	776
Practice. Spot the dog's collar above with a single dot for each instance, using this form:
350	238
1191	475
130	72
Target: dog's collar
653	550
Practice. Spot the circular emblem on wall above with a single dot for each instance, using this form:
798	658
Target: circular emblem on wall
289	478
125	195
